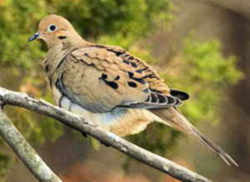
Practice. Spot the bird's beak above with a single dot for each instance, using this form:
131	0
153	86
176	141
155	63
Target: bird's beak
34	37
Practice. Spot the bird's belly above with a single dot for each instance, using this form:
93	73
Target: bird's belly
119	121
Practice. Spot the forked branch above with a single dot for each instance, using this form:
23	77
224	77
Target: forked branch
79	123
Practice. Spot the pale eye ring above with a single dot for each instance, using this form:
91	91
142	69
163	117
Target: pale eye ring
52	28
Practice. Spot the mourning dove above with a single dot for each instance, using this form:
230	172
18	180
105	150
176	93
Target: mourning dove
108	86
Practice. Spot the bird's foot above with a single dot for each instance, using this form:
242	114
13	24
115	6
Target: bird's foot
105	144
84	134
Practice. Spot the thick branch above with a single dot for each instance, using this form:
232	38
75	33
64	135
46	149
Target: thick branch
25	152
82	125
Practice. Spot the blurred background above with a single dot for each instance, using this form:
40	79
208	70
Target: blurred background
199	46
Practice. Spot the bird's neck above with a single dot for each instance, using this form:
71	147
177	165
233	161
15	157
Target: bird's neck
57	53
53	58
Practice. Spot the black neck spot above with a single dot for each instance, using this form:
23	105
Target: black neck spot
62	37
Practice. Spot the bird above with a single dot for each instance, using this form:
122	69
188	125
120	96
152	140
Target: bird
110	87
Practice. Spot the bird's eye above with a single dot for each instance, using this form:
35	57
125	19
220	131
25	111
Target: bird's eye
52	28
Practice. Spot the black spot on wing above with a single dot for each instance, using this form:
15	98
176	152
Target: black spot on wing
171	100
155	101
162	99
155	91
118	53
158	100
126	58
148	99
132	84
147	90
133	64
179	94
117	77
154	98
178	102
150	76
103	77
126	61
141	70
131	76
130	57
111	84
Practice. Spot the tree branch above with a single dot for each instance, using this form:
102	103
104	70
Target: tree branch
78	123
25	152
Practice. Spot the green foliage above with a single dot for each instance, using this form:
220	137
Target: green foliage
209	75
208	64
17	20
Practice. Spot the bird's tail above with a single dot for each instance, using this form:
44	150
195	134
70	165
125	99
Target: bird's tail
175	119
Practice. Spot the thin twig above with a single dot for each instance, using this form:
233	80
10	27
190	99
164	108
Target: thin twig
82	125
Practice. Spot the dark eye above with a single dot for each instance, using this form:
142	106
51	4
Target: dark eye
52	28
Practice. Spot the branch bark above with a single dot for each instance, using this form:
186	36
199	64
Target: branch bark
25	152
78	123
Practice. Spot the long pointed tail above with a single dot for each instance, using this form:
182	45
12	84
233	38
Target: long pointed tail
178	121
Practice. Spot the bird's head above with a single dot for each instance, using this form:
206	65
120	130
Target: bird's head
55	30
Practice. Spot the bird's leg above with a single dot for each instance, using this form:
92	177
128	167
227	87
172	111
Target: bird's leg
1	105
84	134
105	144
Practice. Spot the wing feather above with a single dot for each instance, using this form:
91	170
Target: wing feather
102	78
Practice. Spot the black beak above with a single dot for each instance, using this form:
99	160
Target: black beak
34	37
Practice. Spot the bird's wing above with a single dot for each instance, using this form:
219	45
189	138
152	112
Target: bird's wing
101	78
